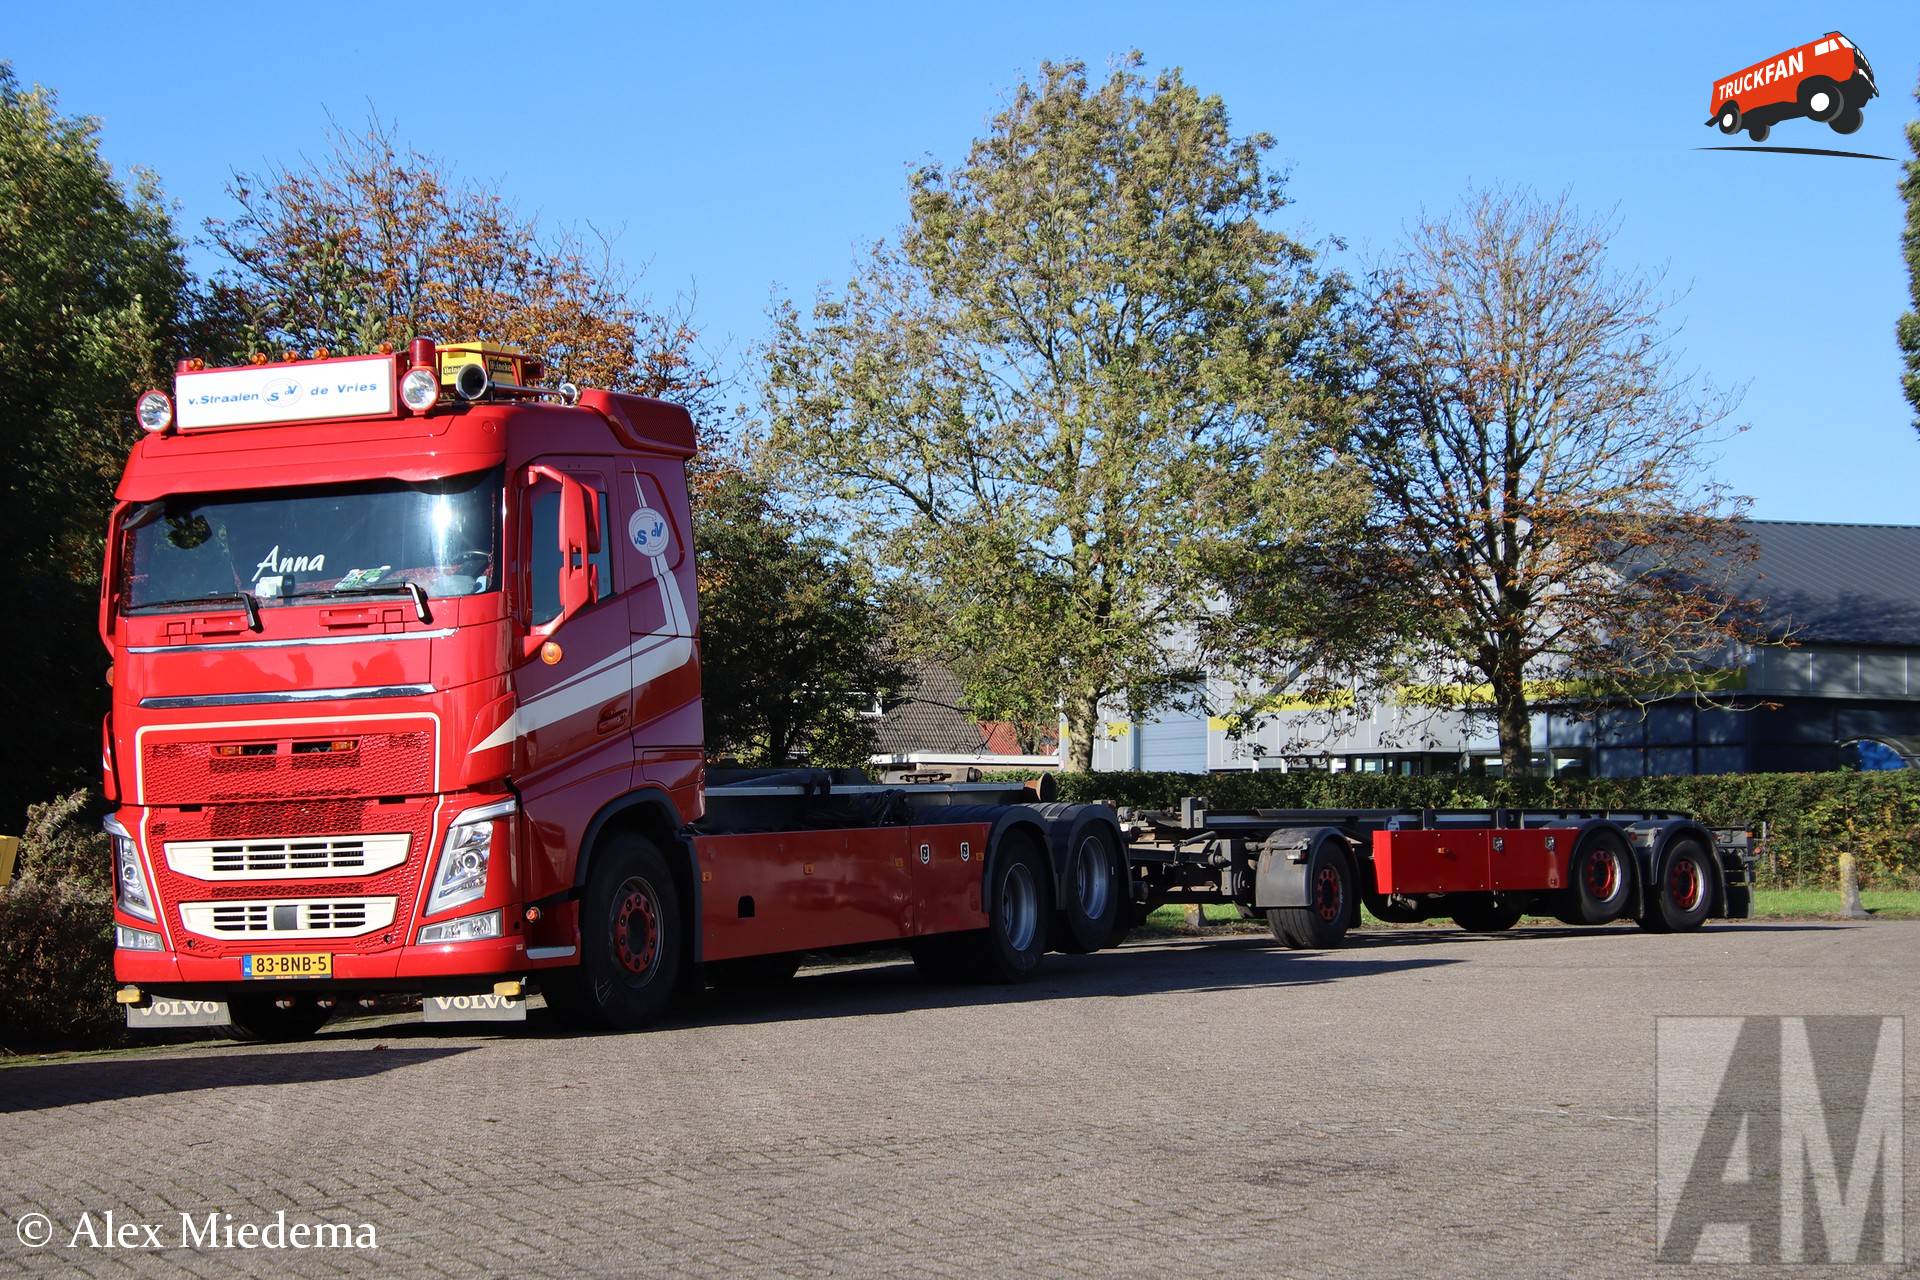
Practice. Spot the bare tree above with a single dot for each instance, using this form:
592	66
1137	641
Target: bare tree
1545	524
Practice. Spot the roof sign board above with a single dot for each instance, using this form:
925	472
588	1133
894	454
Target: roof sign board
359	387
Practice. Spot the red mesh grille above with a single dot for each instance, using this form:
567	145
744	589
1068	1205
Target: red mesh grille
327	817
380	764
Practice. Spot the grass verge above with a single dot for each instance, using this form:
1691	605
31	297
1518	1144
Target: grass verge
1768	904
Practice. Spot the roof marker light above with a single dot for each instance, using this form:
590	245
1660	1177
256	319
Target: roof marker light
154	410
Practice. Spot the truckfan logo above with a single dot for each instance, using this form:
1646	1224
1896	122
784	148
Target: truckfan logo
1827	81
1779	1140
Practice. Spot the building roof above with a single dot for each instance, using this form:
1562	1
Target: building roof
1837	583
928	718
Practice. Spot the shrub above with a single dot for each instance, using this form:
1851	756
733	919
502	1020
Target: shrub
56	932
1808	816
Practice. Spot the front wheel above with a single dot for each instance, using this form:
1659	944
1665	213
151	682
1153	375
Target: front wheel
1322	923
1847	121
276	1019
632	940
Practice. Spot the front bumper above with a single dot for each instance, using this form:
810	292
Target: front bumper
492	958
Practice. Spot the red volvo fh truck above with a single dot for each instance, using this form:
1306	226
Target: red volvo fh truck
406	698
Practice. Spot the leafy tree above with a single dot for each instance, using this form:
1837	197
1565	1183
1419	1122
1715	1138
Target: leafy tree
1088	365
1907	331
378	242
793	646
93	299
1543	509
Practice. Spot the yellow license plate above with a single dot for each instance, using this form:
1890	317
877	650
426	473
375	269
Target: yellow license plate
291	964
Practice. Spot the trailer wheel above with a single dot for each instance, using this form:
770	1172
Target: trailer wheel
1847	121
1602	875
260	1017
1096	886
632	939
1322	923
1821	99
1730	118
1489	916
1684	895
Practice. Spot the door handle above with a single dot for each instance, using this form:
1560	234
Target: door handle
612	715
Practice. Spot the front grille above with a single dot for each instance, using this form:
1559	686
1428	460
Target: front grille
268	919
291	858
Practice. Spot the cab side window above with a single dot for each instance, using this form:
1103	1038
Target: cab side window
544	554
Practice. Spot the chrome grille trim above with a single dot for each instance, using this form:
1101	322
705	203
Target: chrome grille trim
286	695
270	919
288	857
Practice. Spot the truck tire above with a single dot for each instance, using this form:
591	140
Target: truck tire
1684	896
1729	118
1758	130
1848	121
1602	880
1322	924
1096	889
632	941
260	1017
1491	915
1010	947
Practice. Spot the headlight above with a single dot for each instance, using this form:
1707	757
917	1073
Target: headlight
129	880
128	938
465	857
464	929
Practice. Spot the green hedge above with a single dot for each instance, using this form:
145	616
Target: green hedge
56	933
1809	816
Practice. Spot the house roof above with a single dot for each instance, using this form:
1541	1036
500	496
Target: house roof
1837	583
928	718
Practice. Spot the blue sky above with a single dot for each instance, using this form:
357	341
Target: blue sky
744	150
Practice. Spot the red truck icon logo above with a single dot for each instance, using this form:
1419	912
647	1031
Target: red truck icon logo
1828	80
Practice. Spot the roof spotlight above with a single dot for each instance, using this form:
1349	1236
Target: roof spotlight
154	410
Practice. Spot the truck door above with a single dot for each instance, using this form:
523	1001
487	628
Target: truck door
655	554
574	697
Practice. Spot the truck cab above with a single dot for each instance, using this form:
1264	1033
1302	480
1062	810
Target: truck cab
389	633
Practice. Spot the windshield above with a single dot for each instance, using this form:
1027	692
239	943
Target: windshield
289	544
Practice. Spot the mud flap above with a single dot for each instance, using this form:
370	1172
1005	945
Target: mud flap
1280	877
481	1006
159	1014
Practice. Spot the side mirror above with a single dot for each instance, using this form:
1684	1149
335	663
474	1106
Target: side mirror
579	540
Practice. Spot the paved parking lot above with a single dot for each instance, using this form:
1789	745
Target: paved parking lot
1420	1103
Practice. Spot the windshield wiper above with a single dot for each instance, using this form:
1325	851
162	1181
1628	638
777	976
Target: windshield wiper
413	589
246	600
